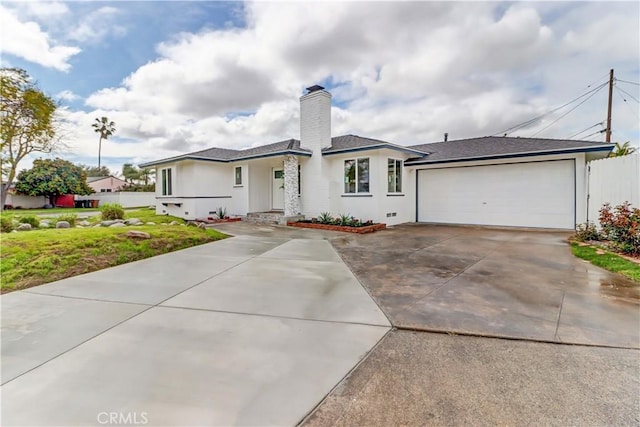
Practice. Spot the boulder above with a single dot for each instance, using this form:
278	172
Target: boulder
97	225
23	227
133	221
118	224
202	225
84	223
138	234
151	223
44	224
174	223
192	223
107	223
63	224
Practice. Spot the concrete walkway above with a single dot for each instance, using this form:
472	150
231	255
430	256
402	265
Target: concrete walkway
245	331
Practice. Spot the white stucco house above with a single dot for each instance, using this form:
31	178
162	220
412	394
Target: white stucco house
499	181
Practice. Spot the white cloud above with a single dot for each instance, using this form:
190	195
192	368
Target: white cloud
28	41
66	95
406	72
97	25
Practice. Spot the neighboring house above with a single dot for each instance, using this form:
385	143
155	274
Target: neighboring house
105	184
498	181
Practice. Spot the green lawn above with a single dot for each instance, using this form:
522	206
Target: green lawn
608	261
31	258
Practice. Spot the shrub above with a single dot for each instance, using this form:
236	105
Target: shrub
6	224
325	218
621	225
70	218
111	211
344	219
586	232
29	219
221	213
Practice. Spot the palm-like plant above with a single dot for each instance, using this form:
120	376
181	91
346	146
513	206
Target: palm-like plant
622	150
105	128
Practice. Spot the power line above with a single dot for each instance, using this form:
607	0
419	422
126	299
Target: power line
618	93
562	116
601	131
584	130
627	81
535	119
628	94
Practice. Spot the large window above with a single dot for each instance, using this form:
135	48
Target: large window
167	183
394	176
356	176
238	175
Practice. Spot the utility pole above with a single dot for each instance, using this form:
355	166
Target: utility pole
608	139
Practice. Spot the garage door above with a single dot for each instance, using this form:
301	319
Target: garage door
536	194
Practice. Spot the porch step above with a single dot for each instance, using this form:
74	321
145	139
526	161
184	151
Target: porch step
272	217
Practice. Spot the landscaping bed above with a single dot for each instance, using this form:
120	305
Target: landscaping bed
210	220
44	255
345	228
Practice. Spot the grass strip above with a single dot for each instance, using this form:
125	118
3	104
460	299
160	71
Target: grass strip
609	261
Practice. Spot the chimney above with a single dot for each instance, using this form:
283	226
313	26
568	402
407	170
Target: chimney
446	137
315	119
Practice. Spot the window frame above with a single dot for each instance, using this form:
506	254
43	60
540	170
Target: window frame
356	182
396	173
235	176
166	178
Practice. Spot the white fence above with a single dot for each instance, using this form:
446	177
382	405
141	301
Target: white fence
25	202
613	180
128	199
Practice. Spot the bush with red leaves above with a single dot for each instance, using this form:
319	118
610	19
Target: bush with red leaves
621	225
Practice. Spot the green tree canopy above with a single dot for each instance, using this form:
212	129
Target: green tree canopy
130	172
28	123
95	171
53	178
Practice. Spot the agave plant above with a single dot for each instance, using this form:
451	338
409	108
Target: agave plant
221	213
325	218
345	219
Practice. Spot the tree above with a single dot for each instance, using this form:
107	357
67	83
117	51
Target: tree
53	178
95	171
28	123
146	174
622	150
105	128
130	173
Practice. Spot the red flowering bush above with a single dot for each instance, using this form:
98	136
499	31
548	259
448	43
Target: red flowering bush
621	225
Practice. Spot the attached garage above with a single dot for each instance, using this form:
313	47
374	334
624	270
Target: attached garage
527	194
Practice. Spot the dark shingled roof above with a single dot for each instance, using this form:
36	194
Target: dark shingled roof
498	146
289	146
354	142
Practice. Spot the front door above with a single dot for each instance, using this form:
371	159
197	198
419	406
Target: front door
277	189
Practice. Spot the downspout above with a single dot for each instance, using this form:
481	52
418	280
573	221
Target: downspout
588	189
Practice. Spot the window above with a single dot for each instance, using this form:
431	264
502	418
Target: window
167	189
238	175
356	176
105	190
394	176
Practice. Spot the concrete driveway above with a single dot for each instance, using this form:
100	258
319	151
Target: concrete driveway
492	282
245	331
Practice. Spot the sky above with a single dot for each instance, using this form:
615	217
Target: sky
182	76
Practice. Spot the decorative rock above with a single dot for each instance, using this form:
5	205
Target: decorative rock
107	223
138	234
97	225
84	223
63	224
44	224
24	227
133	221
118	224
119	220
151	223
174	223
192	224
202	225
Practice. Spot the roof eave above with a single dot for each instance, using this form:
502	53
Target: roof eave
509	155
373	147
